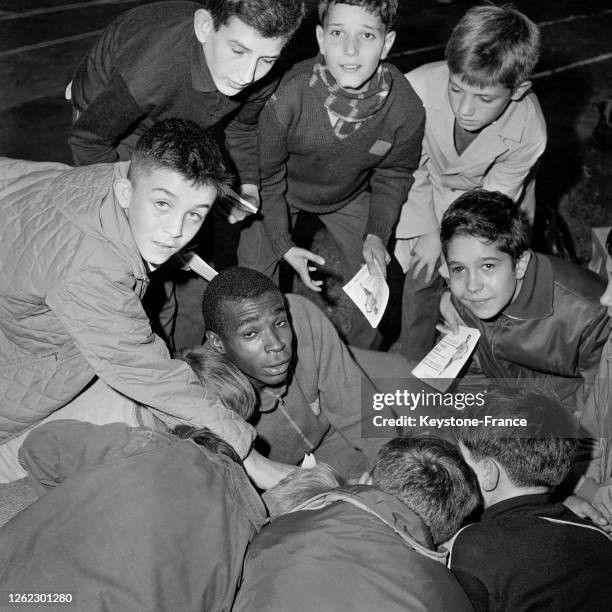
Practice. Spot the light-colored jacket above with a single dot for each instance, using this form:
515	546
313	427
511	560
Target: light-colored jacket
71	283
503	157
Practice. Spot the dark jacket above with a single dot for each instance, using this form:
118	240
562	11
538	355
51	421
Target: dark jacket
554	331
529	554
355	549
133	520
147	66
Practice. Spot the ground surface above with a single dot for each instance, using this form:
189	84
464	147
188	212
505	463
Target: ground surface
41	42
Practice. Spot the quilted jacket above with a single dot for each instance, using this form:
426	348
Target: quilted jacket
71	283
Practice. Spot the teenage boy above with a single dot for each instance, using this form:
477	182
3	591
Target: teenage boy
130	519
365	548
527	553
76	247
193	60
539	316
340	139
597	418
484	128
308	383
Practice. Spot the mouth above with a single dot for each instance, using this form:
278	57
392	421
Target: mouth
278	369
165	247
350	67
478	304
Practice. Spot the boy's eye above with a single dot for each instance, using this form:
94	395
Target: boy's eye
162	204
268	61
237	51
486	100
248	335
335	32
369	36
281	323
194	216
454	89
488	266
457	269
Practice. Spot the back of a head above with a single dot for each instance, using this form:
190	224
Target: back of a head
236	284
535	454
269	18
221	379
300	486
489	215
184	147
429	476
385	9
493	45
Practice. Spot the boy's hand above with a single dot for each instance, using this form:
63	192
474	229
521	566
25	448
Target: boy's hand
298	259
450	317
425	254
374	249
264	472
584	509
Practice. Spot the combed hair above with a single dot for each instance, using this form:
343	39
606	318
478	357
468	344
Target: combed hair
205	438
221	378
385	9
539	454
493	45
489	215
237	284
429	476
184	147
299	486
269	18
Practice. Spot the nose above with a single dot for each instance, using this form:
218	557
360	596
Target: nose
174	227
474	282
466	106
606	298
351	46
273	342
248	71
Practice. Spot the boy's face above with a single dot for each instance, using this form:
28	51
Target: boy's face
164	211
476	107
482	277
606	298
257	338
236	54
353	42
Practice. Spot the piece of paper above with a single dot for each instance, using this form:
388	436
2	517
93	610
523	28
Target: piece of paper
442	364
232	200
199	266
370	293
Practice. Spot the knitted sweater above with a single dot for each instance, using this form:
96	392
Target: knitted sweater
305	165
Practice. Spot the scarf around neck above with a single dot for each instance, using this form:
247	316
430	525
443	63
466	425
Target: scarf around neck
351	109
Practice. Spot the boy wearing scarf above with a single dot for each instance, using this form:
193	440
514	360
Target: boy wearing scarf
340	138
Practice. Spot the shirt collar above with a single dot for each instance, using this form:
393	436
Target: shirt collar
522	501
201	79
535	298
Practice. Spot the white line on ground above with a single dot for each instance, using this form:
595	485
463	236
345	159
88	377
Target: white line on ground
49	43
585	62
5	16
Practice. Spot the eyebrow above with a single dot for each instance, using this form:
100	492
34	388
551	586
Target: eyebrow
257	317
363	25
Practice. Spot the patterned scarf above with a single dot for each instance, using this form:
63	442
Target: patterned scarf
350	109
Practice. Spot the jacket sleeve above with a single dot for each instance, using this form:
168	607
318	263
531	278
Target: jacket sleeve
392	178
99	127
592	344
99	309
273	155
241	135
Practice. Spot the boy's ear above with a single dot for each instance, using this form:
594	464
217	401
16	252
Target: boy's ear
490	475
215	342
520	90
203	24
122	189
521	265
389	40
319	34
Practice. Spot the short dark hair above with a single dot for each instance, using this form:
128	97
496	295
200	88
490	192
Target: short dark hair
269	18
609	243
385	9
207	439
489	215
237	284
538	454
221	378
184	147
493	45
429	476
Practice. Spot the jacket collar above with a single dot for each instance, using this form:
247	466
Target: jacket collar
201	79
522	502
535	299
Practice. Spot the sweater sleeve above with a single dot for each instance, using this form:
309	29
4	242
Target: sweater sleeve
105	318
392	178
99	127
273	155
